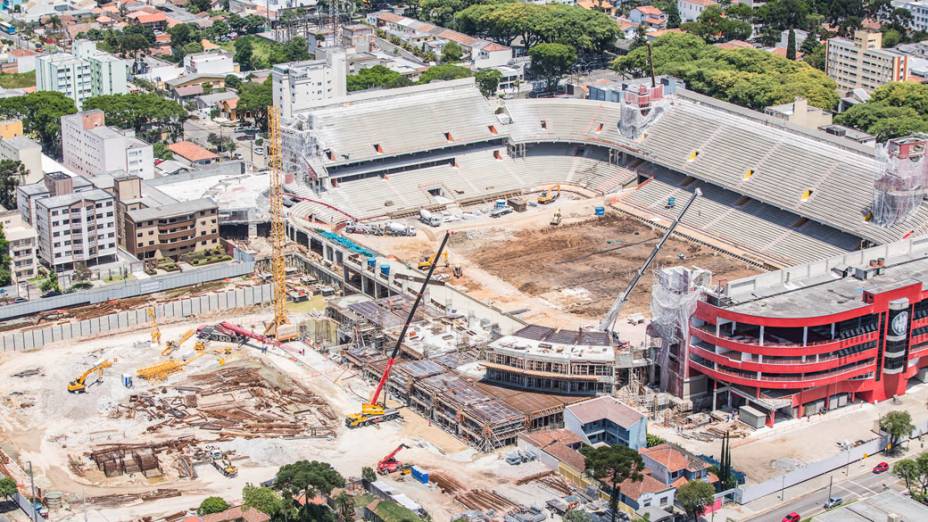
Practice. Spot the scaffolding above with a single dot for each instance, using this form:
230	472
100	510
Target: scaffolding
902	185
674	295
641	106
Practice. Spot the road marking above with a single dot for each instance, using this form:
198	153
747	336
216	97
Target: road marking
851	491
872	492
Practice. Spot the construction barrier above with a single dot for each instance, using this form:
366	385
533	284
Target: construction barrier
188	309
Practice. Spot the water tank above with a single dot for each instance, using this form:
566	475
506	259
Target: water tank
385	270
371	262
600	211
500	203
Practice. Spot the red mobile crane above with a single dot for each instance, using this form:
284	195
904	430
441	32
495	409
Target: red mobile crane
389	464
373	412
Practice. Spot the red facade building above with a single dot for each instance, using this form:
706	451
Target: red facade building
812	338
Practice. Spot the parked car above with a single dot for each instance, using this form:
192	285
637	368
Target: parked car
51	293
792	517
833	502
20	299
882	467
500	212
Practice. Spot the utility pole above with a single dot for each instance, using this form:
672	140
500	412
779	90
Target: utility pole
831	479
35	512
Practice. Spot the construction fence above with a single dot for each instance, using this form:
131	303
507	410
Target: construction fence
844	458
242	265
130	319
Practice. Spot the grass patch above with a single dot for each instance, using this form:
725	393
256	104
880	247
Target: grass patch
17	80
315	303
388	510
260	47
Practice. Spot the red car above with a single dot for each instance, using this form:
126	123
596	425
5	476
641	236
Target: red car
882	467
792	517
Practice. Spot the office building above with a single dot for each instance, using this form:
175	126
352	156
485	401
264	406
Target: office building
90	148
74	221
297	85
862	63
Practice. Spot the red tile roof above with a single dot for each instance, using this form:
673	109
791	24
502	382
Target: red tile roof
191	151
649	10
557	443
648	484
493	47
236	514
667	456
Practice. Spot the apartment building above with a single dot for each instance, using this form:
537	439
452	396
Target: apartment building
861	63
691	9
919	10
83	73
151	229
74	221
26	151
90	147
22	239
297	85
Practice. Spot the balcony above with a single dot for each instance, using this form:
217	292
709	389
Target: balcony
749	345
782	381
785	364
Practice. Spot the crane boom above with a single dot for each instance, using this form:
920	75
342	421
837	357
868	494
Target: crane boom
278	232
412	313
608	322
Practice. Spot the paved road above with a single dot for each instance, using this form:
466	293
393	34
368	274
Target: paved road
856	487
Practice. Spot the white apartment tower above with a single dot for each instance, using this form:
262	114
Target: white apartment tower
298	84
90	147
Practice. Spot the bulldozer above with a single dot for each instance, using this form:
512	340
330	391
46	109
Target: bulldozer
556	218
80	384
549	195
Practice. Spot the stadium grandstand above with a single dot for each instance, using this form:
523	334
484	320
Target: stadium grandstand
782	194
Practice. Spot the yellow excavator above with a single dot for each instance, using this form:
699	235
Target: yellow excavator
173	345
80	385
549	195
426	262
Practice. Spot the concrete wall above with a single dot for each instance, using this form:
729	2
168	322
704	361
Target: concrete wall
132	319
132	288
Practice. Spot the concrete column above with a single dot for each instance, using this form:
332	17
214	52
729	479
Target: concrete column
805	335
761	337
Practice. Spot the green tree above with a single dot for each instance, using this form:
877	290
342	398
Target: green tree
244	53
232	81
265	500
161	151
41	114
306	479
673	15
182	34
368	474
12	174
551	61
713	26
5	279
816	58
654	440
212	505
613	465
451	53
791	45
147	114
444	72
7	487
641	37
344	506
749	77
376	76
441	12
897	424
576	515
50	283
199	6
488	81
254	99
694	496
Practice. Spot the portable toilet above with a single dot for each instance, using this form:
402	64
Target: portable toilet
599	211
385	270
671	202
127	380
420	474
500	203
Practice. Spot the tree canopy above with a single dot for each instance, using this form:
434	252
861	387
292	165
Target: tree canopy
583	29
254	99
694	496
212	505
898	425
376	76
748	77
451	53
551	61
894	110
914	471
613	465
444	72
265	500
41	114
307	478
7	484
148	114
12	174
714	26
488	81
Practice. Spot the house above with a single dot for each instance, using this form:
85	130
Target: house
606	420
649	16
691	9
156	20
674	466
647	493
192	154
233	514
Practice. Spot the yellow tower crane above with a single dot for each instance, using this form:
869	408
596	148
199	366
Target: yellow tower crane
155	331
278	232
